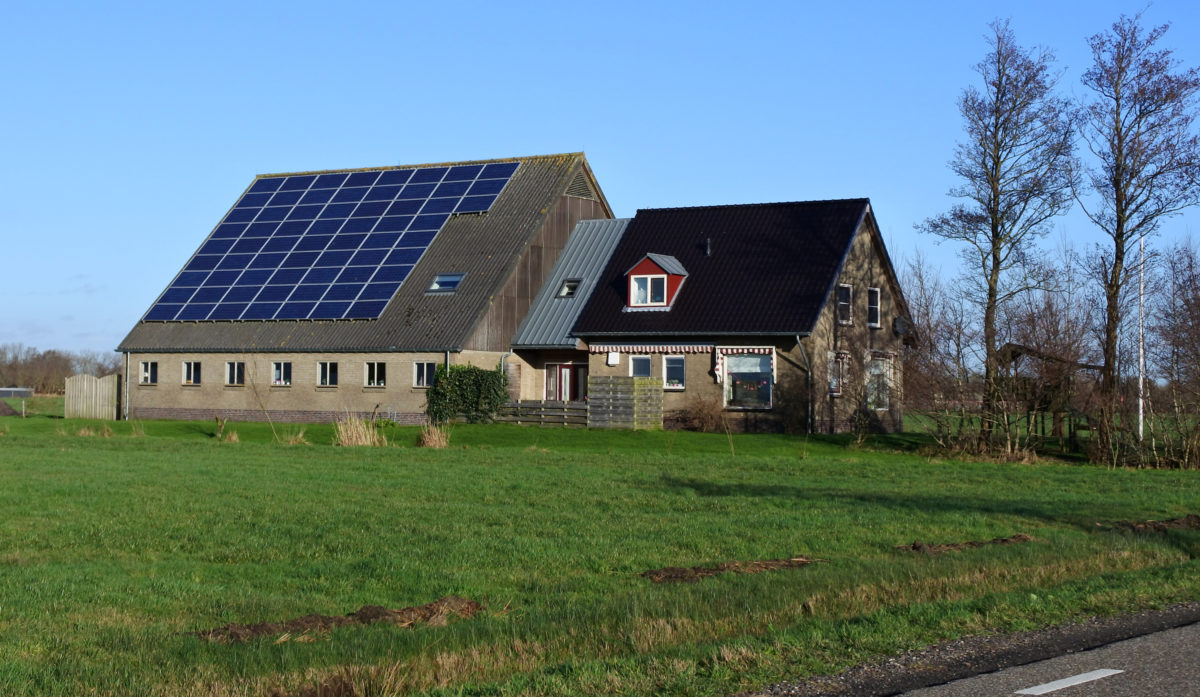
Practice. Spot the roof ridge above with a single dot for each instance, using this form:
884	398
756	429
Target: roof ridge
351	170
757	205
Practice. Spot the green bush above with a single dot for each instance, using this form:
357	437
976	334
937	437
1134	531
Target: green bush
467	391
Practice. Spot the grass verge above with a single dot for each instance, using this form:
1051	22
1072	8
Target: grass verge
113	550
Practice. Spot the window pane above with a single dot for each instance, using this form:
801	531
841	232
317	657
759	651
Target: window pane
640	366
658	290
641	291
748	363
673	371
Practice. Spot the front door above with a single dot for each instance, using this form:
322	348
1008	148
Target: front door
566	382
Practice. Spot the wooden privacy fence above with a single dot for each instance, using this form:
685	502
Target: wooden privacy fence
545	413
90	397
625	402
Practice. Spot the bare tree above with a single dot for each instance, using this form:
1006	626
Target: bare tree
1139	129
1016	176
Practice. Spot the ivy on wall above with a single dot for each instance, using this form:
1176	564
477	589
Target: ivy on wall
467	391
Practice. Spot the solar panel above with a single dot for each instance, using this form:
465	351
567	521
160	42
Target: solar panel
336	245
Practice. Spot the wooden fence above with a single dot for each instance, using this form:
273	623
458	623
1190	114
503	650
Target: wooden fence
545	413
90	397
625	402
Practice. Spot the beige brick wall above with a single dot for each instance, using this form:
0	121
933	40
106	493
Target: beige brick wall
304	399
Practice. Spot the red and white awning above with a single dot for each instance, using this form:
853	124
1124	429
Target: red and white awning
723	351
650	348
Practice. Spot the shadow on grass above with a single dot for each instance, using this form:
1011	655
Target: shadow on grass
1083	515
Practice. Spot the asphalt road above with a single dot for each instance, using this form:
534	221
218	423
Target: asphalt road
1157	652
1164	664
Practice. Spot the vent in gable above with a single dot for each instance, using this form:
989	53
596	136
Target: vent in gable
581	188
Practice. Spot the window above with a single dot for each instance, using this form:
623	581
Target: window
149	373
191	372
748	381
375	374
639	366
879	382
648	290
235	373
674	372
873	308
844	296
569	288
327	373
837	373
446	282
424	374
281	373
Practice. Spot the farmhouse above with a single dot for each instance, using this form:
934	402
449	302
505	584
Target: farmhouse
326	293
781	314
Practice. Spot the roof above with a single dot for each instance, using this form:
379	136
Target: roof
667	263
485	247
752	269
550	318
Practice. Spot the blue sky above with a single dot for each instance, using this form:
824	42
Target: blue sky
129	129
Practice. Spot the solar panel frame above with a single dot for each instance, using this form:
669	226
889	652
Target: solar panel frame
329	245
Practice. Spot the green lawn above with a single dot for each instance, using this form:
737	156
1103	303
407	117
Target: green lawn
114	546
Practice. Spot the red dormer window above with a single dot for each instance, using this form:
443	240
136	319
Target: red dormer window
647	290
654	282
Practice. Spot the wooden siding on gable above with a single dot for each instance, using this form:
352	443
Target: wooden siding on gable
496	330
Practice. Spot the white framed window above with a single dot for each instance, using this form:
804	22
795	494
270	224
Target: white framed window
149	373
648	290
424	374
191	372
749	381
845	297
327	373
235	372
639	366
674	372
873	308
375	374
446	282
568	289
879	383
281	373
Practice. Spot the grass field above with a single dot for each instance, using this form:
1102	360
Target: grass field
115	546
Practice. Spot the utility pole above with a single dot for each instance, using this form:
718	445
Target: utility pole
1142	340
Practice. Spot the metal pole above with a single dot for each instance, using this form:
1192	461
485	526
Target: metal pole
1142	339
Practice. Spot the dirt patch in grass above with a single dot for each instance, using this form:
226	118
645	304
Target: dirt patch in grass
6	410
679	574
935	548
336	686
1188	522
434	614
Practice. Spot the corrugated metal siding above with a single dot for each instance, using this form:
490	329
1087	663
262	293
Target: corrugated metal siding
770	268
488	248
550	319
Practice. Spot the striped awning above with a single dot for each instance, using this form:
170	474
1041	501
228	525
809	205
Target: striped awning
650	348
723	351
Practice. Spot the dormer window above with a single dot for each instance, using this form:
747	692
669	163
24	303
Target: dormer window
445	283
648	291
654	283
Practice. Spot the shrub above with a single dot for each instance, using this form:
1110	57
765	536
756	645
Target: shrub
433	436
355	430
465	390
705	414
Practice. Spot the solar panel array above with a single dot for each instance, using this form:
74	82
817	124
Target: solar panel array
324	246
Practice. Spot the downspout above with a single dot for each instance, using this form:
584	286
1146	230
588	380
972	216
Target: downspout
504	372
809	381
125	401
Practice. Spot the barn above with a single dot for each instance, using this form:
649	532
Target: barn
322	294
